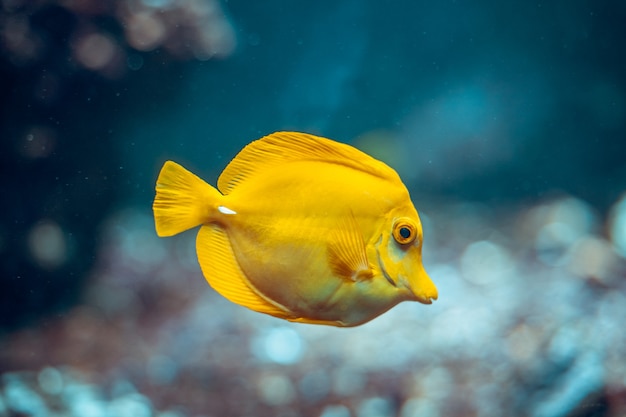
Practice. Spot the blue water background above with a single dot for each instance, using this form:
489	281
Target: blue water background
506	121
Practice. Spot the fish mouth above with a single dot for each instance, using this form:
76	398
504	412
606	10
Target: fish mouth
424	299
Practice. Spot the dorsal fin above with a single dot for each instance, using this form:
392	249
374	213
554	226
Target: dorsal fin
283	147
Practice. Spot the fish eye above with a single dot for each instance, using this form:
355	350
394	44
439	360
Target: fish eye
404	231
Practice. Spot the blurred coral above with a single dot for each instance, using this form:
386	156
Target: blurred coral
106	36
520	328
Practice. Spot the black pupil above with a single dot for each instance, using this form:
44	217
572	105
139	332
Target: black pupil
405	232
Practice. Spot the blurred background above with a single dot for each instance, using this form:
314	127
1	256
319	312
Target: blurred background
506	120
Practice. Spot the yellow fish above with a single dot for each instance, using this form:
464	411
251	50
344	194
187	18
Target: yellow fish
302	228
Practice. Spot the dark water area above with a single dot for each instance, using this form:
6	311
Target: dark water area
505	120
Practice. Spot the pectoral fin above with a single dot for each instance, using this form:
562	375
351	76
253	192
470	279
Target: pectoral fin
346	251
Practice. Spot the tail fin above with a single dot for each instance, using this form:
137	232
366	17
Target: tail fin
182	201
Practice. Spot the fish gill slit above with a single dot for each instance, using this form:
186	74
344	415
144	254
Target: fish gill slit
384	271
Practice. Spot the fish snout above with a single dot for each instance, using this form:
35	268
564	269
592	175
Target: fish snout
422	288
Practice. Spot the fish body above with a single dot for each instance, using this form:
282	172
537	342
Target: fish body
302	228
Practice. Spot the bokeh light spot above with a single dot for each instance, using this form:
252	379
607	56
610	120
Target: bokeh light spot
335	411
523	343
95	50
280	344
276	389
47	244
50	381
484	262
315	385
145	32
418	407
375	407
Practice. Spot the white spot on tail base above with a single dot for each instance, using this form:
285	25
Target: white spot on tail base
226	210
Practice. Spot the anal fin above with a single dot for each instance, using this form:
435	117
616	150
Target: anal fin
221	270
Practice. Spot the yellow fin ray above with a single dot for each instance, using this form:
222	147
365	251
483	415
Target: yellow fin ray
347	256
220	268
284	147
182	201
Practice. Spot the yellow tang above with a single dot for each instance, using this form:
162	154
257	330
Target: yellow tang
302	228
